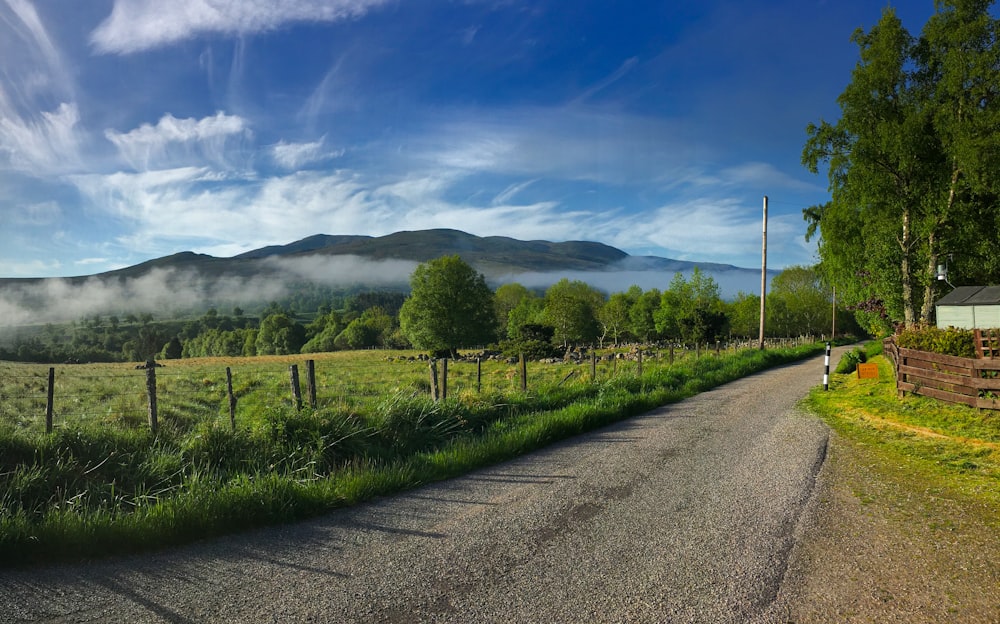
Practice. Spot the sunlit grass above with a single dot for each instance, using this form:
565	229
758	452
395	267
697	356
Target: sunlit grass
947	447
104	484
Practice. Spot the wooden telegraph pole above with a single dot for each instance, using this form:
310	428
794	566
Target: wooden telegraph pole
763	275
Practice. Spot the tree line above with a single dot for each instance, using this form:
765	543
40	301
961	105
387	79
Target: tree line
450	306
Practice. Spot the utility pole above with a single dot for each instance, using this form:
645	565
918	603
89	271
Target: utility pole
763	275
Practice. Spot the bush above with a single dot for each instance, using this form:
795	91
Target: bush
951	341
850	360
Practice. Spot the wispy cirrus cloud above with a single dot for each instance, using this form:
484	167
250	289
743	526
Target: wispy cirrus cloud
39	119
295	155
48	142
137	25
148	146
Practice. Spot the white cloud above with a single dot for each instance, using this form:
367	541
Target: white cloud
508	193
35	138
764	175
725	230
295	155
147	145
568	143
137	25
49	143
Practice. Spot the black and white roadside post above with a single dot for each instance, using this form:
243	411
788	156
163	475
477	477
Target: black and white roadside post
826	369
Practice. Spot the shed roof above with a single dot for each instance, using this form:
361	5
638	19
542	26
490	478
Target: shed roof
971	295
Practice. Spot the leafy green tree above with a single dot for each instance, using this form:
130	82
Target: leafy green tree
506	299
532	340
279	334
614	316
449	306
912	161
744	315
642	322
357	335
571	307
322	332
692	310
172	350
529	311
801	301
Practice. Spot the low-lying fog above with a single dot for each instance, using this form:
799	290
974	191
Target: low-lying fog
163	292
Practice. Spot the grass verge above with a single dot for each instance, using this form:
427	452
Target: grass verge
941	450
86	491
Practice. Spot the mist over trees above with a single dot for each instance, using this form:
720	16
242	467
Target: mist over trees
913	165
451	307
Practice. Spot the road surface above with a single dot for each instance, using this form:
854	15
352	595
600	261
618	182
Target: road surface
685	514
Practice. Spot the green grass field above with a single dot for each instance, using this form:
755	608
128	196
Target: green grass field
103	483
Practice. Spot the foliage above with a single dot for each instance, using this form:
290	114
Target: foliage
912	164
530	310
450	306
533	341
506	299
614	317
692	310
642	321
571	307
850	360
951	341
799	303
280	334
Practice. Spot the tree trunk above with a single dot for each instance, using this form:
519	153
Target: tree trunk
908	312
932	258
928	307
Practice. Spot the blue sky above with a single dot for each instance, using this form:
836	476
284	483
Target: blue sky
135	129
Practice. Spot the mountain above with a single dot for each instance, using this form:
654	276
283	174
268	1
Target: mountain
491	254
188	279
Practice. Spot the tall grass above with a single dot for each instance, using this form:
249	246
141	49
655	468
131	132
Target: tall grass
89	489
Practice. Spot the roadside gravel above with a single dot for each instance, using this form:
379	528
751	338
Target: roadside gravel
878	545
686	514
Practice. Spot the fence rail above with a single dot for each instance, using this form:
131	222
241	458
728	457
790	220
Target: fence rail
970	381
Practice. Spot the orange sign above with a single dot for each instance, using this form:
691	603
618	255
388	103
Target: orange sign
867	371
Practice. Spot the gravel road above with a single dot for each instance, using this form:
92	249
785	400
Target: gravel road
685	514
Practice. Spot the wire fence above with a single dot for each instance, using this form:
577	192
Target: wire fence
43	398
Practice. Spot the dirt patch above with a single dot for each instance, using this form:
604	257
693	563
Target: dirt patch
879	546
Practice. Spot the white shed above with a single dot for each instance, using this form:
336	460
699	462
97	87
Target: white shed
969	307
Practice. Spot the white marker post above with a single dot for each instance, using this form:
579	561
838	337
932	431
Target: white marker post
826	370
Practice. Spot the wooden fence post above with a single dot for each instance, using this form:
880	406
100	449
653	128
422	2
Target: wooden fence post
151	393
434	379
639	367
524	374
671	360
293	372
479	375
51	400
593	365
232	398
444	379
311	382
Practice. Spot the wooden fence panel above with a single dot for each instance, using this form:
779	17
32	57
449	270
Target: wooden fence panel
945	377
